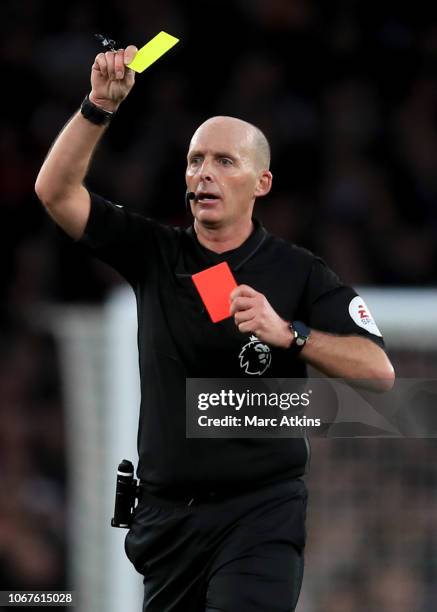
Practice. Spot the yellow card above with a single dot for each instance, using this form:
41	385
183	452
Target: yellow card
152	51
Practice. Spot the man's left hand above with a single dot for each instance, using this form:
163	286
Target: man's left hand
253	314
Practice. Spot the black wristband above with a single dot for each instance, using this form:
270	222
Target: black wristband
95	114
301	333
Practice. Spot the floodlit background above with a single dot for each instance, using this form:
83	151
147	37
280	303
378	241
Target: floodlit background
347	95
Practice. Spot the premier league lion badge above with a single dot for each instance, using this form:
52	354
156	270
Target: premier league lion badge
255	357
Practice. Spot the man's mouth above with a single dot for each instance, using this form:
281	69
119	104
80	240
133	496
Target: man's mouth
206	197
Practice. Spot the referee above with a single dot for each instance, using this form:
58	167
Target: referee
220	523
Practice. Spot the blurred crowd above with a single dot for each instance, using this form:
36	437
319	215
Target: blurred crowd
32	463
346	95
346	92
372	541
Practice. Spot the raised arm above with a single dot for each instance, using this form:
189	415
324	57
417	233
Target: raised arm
59	184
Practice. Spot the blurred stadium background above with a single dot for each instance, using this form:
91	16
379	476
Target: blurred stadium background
347	94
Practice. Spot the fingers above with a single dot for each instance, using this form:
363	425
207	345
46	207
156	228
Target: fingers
243	291
112	64
244	315
100	64
248	327
242	307
241	303
129	54
119	64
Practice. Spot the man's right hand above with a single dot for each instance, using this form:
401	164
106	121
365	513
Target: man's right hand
59	185
111	79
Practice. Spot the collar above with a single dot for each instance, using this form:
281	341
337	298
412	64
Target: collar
236	258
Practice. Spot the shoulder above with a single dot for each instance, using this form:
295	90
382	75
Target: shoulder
307	268
136	221
291	252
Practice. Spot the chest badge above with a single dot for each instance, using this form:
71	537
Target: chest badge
255	357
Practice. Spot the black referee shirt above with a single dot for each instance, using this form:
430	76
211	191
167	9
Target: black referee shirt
177	340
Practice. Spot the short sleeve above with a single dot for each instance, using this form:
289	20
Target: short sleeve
119	237
334	307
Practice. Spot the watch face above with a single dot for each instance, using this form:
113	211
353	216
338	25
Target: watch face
301	329
301	332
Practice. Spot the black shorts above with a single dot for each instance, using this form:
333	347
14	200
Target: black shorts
236	554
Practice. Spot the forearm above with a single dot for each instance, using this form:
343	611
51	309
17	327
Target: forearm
59	184
67	162
349	357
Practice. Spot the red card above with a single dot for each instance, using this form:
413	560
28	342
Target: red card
215	285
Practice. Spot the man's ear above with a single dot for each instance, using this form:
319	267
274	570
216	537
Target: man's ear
264	183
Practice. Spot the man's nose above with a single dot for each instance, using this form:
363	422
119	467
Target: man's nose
205	171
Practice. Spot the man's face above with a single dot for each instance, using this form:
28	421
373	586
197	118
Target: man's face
222	172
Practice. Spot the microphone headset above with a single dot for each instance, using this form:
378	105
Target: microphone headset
189	195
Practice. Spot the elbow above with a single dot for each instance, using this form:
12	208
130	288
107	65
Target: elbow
41	191
48	196
383	376
380	372
385	383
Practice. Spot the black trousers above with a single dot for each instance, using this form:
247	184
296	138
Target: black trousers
235	554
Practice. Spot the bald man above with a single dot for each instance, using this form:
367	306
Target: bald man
220	523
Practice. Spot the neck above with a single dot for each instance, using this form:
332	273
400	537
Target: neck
221	239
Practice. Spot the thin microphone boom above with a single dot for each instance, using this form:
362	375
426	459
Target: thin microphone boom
190	195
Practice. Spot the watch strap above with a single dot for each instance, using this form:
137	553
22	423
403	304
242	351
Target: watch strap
95	114
301	333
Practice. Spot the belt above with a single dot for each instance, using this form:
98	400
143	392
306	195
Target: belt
187	499
171	502
192	498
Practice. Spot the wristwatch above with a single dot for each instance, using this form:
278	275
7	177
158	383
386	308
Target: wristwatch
301	333
94	113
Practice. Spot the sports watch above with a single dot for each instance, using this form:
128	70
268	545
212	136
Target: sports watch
95	114
301	333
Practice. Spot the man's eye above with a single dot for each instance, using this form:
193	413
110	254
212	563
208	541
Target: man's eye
225	161
194	160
